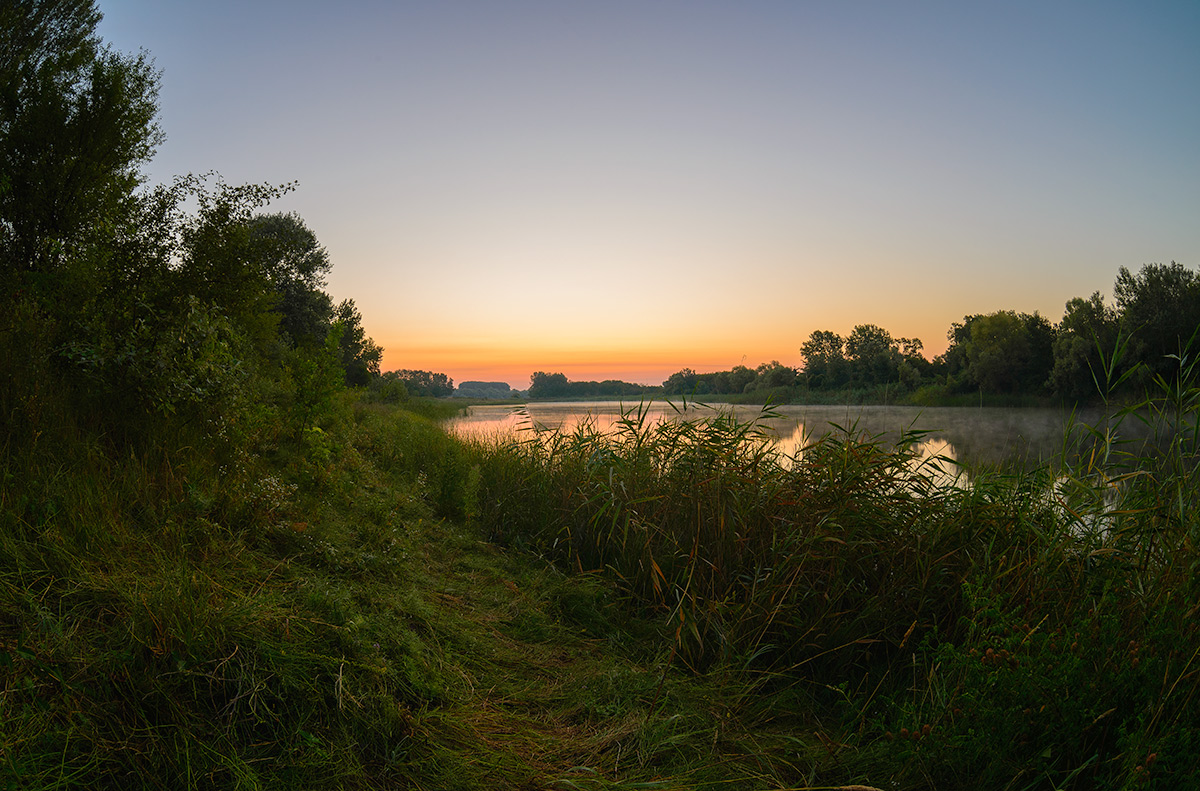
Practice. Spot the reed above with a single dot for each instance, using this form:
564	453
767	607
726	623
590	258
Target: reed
1036	624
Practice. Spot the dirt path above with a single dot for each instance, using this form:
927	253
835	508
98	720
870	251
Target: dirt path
555	688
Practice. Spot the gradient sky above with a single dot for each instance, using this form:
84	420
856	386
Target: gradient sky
624	189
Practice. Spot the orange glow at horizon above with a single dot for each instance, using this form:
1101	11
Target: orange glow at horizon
503	190
514	360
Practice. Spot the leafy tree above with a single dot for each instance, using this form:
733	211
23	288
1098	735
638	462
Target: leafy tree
296	265
1160	309
825	359
681	382
954	362
914	368
359	354
177	316
873	355
1040	364
773	374
77	121
996	345
219	260
1009	352
425	383
910	348
390	388
544	385
616	387
1087	330
483	390
737	379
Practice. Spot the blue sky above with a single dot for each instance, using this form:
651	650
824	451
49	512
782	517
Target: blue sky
625	189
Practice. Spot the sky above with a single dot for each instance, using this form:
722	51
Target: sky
625	189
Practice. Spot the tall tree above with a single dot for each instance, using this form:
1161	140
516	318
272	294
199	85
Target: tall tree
773	374
296	265
423	383
825	359
873	355
544	385
1160	309
953	363
360	355
1088	330
1009	352
996	348
77	122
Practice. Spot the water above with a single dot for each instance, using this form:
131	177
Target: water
965	435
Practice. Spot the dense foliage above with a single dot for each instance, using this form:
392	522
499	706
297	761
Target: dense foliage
422	383
1032	627
225	564
556	385
1005	354
485	390
200	532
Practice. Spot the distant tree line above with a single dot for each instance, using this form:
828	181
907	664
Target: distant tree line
556	385
484	390
738	380
425	383
1155	321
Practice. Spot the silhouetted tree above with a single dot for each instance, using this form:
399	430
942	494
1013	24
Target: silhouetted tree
544	385
1160	309
359	354
1009	352
773	374
425	383
680	383
1088	329
873	355
77	121
825	360
296	266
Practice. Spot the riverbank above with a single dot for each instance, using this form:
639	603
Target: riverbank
803	396
386	606
950	636
169	623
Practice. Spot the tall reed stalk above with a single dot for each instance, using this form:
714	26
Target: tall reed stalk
1052	609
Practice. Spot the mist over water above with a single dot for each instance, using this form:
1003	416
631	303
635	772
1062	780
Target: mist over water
971	437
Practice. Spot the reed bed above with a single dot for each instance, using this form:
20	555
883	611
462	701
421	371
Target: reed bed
1033	629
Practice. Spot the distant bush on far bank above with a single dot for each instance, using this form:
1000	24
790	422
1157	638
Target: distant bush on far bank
483	390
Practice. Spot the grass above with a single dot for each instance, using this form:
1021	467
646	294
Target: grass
1035	630
325	617
370	603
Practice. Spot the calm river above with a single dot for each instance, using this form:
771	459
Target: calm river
970	436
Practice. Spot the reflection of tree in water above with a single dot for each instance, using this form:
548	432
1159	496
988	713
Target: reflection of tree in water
934	457
974	437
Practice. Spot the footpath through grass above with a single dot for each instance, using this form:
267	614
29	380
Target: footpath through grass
321	614
366	602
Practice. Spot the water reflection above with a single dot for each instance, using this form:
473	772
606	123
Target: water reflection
968	436
933	456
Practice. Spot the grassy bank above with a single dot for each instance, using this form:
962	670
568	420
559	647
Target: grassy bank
368	603
1036	630
319	613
